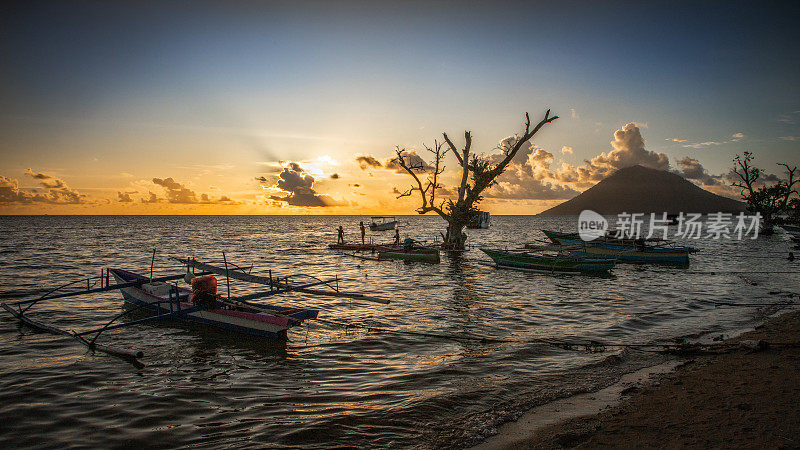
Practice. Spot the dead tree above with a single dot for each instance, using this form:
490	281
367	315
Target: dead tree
478	173
767	200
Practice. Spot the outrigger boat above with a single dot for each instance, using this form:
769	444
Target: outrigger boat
623	250
168	301
549	263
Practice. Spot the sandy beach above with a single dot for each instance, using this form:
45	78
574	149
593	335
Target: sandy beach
743	398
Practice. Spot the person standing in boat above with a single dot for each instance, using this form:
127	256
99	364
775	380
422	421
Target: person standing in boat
396	237
340	239
363	232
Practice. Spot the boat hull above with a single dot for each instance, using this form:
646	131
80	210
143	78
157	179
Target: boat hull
621	252
548	264
356	247
383	226
250	323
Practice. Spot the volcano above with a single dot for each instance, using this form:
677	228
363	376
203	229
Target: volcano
640	189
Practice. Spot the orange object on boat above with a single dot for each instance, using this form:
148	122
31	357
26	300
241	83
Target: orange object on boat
204	285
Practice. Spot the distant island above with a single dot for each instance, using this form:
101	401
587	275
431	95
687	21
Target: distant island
646	190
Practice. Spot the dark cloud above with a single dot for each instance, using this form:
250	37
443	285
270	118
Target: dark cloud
335	176
691	169
367	161
299	186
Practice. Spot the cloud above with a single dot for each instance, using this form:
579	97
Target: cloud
735	137
691	169
10	193
335	176
566	150
789	118
176	192
37	176
125	197
790	138
412	160
299	187
56	191
153	198
367	161
703	144
629	150
524	177
677	140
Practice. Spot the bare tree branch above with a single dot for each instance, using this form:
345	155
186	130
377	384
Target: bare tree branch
477	174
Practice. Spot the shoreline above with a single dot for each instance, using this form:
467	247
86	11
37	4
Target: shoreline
744	397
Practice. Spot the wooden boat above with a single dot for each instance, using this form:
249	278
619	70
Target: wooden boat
623	250
420	254
231	315
549	263
168	301
353	247
383	223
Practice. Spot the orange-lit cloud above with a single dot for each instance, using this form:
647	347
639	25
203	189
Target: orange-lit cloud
55	191
125	197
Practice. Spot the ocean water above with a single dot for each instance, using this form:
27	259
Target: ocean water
331	385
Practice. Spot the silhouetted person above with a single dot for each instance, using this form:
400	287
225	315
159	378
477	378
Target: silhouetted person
363	232
396	237
791	256
340	240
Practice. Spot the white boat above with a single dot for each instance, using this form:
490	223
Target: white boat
481	219
383	223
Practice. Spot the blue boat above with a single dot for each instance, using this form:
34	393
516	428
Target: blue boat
623	250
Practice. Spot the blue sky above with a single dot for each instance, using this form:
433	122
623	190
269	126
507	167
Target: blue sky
245	83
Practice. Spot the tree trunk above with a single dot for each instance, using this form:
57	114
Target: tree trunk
455	238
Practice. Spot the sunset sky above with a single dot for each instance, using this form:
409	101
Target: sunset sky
296	107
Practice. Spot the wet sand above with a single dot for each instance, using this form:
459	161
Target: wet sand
745	398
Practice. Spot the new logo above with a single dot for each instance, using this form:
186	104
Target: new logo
591	225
